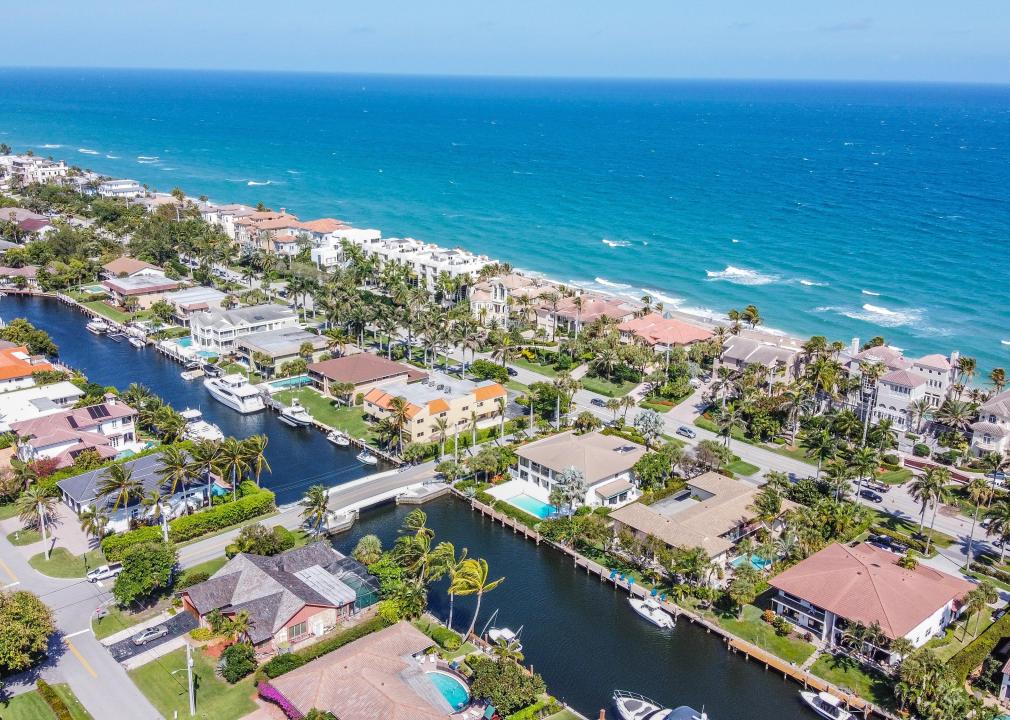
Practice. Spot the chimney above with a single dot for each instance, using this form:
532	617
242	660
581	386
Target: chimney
283	211
855	345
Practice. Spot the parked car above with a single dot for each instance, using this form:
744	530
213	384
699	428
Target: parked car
687	432
105	572
871	496
152	633
512	372
598	402
877	487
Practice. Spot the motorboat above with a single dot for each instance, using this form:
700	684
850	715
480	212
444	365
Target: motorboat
826	705
137	342
235	391
632	706
652	611
506	636
191	374
199	429
338	438
295	415
97	327
367	458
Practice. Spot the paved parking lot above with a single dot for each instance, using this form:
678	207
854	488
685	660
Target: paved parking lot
181	624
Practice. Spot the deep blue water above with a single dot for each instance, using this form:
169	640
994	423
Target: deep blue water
847	210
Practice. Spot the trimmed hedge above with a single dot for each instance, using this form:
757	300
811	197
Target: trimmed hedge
253	503
288	662
53	700
540	709
446	638
974	653
993	572
245	508
921	450
914	544
507	508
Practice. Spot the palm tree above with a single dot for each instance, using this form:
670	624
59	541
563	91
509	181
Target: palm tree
156	503
24	472
118	481
454	568
984	594
399	416
864	463
368	550
998	379
205	455
500	407
441	427
999	524
728	420
473	580
978	491
232	462
994	463
36	506
627	402
316	508
920	410
255	447
239	626
175	469
955	414
819	444
94	523
473	428
930	489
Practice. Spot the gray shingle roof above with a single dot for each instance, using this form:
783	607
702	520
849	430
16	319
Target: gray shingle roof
84	487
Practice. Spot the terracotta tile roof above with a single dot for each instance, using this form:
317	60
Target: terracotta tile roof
382	399
324	225
438	406
127	266
935	361
658	330
866	585
487	392
15	362
904	378
364	368
368	679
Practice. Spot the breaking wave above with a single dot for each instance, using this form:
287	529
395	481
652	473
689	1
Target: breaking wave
741	276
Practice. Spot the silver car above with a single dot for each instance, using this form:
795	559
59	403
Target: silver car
152	633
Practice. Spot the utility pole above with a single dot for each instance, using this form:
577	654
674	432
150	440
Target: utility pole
189	673
42	525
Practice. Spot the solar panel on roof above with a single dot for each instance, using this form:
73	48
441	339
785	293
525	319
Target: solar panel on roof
98	411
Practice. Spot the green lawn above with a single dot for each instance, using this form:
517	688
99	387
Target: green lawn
563	715
215	698
117	619
511	385
910	527
895	477
602	386
955	637
547	370
742	467
796	453
103	308
24	537
8	511
754	630
657	406
235	368
349	419
846	673
212	566
62	564
31	706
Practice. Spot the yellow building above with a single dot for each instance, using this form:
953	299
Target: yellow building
440	396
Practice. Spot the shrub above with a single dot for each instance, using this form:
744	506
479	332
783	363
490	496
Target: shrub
486	370
782	626
201	634
891	459
189	579
446	638
769	616
543	708
993	572
238	660
114	546
920	450
286	663
913	543
531	521
505	684
974	653
53	700
245	508
271	694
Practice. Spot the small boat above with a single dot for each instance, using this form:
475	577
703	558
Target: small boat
295	415
505	635
367	458
235	392
826	705
191	374
651	611
338	438
192	365
137	342
632	706
97	327
199	429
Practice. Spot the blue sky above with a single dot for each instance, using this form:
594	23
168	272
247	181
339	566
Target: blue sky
858	39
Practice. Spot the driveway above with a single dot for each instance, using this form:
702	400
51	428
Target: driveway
181	624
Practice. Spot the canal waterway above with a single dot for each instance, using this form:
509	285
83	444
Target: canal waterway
298	457
580	633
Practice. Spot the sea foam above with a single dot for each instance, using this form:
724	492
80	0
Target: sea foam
254	183
879	315
87	151
615	243
741	276
871	293
610	284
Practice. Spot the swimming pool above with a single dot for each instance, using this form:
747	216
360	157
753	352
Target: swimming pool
533	506
451	688
296	381
184	342
758	563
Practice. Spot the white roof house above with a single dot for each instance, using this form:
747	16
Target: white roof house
35	402
121	189
216	330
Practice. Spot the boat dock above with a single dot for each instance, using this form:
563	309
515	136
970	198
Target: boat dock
733	643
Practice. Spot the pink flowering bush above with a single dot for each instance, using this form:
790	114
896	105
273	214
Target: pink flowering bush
271	694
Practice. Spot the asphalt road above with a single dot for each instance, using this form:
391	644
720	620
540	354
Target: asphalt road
180	624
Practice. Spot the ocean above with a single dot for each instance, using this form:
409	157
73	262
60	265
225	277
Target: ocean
848	210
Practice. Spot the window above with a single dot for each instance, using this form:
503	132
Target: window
297	630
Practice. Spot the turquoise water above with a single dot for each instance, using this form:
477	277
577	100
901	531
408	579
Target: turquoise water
533	506
454	692
296	381
840	209
758	563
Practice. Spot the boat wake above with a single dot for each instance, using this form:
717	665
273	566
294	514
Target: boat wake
86	151
742	276
254	183
871	293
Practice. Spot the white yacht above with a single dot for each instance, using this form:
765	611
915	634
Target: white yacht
199	429
137	342
338	438
652	611
97	327
632	706
367	458
826	705
296	415
506	636
235	392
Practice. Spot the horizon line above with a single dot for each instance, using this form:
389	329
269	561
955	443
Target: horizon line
515	76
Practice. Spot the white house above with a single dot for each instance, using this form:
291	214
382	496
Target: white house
121	189
991	432
604	461
842	585
427	260
217	330
35	402
107	428
328	252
